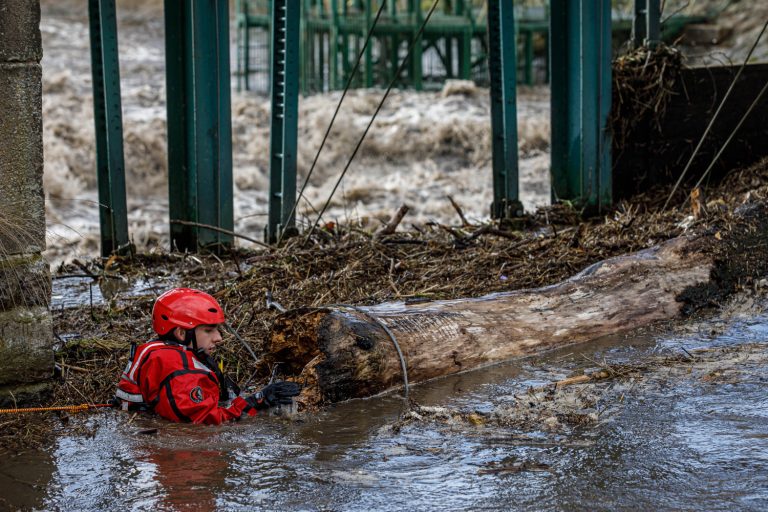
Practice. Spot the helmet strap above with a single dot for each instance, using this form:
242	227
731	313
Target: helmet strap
190	340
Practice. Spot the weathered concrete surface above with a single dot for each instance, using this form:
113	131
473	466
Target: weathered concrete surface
28	394
26	345
26	281
22	204
19	31
26	332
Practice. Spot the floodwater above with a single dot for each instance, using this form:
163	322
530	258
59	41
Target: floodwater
682	443
422	147
673	441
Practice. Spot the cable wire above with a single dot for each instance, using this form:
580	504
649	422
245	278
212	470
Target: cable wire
335	113
380	323
416	40
714	117
730	137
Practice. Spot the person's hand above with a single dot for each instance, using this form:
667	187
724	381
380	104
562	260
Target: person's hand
276	393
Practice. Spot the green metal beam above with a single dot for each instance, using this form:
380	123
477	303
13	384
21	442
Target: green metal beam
639	23
108	117
646	24
333	56
596	102
199	122
502	66
369	48
285	113
580	46
417	60
653	23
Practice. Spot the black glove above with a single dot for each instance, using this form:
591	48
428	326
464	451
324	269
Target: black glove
276	393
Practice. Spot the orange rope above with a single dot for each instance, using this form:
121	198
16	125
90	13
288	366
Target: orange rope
68	408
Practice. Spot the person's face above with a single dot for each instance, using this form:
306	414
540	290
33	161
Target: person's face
208	336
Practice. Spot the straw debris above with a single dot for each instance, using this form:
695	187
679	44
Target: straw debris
350	264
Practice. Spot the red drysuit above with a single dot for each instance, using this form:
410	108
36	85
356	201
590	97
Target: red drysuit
169	379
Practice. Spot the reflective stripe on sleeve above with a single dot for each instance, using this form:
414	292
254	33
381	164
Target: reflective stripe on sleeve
136	398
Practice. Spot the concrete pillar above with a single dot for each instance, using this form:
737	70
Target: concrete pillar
26	336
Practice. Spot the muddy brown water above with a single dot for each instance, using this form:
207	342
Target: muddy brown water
670	443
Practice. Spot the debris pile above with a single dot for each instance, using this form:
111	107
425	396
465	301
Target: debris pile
351	264
559	408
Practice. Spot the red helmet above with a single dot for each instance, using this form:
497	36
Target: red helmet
186	308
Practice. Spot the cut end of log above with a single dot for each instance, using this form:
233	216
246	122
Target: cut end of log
293	343
336	354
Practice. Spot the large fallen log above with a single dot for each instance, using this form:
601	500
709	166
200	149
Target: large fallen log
344	352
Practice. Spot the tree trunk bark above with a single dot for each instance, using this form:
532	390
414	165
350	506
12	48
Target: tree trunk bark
342	352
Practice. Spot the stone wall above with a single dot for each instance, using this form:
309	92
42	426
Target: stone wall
26	354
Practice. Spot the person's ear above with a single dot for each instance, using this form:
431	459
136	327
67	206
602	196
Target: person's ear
179	333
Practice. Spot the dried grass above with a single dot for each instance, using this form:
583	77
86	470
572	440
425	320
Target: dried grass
348	264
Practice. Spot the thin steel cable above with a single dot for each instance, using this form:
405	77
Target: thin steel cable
714	117
333	119
416	39
730	137
380	323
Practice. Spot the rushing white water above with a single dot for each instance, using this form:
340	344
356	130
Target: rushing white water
422	147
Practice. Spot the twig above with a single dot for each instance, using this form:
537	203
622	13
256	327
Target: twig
458	209
220	230
490	230
391	226
73	367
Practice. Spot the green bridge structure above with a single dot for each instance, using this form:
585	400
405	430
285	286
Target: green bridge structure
454	45
312	45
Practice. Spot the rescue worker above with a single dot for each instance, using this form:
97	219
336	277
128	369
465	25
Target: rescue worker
175	376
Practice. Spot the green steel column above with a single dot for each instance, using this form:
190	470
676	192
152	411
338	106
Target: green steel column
269	45
596	102
639	23
239	44
502	66
653	23
221	90
320	37
394	58
580	45
199	122
305	56
418	49
369	48
108	117
345	66
247	52
605	101
528	46
465	54
284	125
565	79
333	57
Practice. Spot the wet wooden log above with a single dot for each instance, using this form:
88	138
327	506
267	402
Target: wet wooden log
345	353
